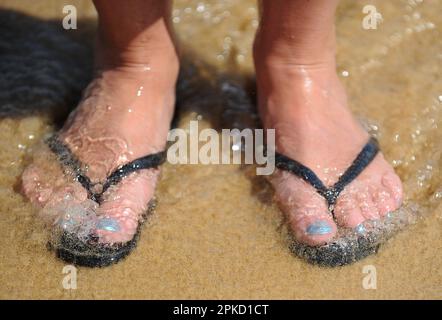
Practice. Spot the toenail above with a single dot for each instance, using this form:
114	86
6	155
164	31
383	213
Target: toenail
319	228
360	228
108	224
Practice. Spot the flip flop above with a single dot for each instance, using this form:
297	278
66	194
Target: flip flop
89	252
350	245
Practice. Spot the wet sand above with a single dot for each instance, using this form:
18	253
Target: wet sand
216	233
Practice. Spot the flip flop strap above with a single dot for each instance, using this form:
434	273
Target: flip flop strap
363	159
68	159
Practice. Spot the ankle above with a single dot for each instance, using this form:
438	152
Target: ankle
297	90
139	56
270	49
139	71
107	55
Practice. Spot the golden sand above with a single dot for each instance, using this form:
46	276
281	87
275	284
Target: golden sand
216	233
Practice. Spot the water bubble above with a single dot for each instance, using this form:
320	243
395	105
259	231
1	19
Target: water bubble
73	217
361	229
430	25
200	7
240	58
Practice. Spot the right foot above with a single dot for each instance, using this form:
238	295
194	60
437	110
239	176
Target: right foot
125	114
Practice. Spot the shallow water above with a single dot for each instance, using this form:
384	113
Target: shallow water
216	233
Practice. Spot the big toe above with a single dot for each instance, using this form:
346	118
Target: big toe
315	229
116	224
124	204
307	213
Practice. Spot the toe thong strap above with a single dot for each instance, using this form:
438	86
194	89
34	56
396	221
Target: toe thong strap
147	162
68	159
363	159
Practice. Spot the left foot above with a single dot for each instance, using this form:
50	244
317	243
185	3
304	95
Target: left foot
306	104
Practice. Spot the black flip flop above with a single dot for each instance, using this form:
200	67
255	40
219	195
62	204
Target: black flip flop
68	246
351	246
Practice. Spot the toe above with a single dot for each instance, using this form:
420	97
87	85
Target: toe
385	201
72	193
314	230
123	206
116	224
368	207
306	210
393	185
351	218
347	211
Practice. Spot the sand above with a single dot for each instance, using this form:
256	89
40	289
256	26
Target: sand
216	232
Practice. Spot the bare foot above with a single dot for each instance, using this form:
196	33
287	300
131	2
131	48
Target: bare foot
306	104
125	114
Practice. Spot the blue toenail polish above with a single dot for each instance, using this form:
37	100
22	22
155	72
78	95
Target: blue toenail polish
360	228
319	228
108	224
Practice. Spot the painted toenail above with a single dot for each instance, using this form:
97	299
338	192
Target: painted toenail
108	224
319	228
360	228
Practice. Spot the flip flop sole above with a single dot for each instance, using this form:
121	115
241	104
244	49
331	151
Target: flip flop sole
70	248
352	247
342	252
74	250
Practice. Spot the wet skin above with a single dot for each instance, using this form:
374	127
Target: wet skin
301	97
126	112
